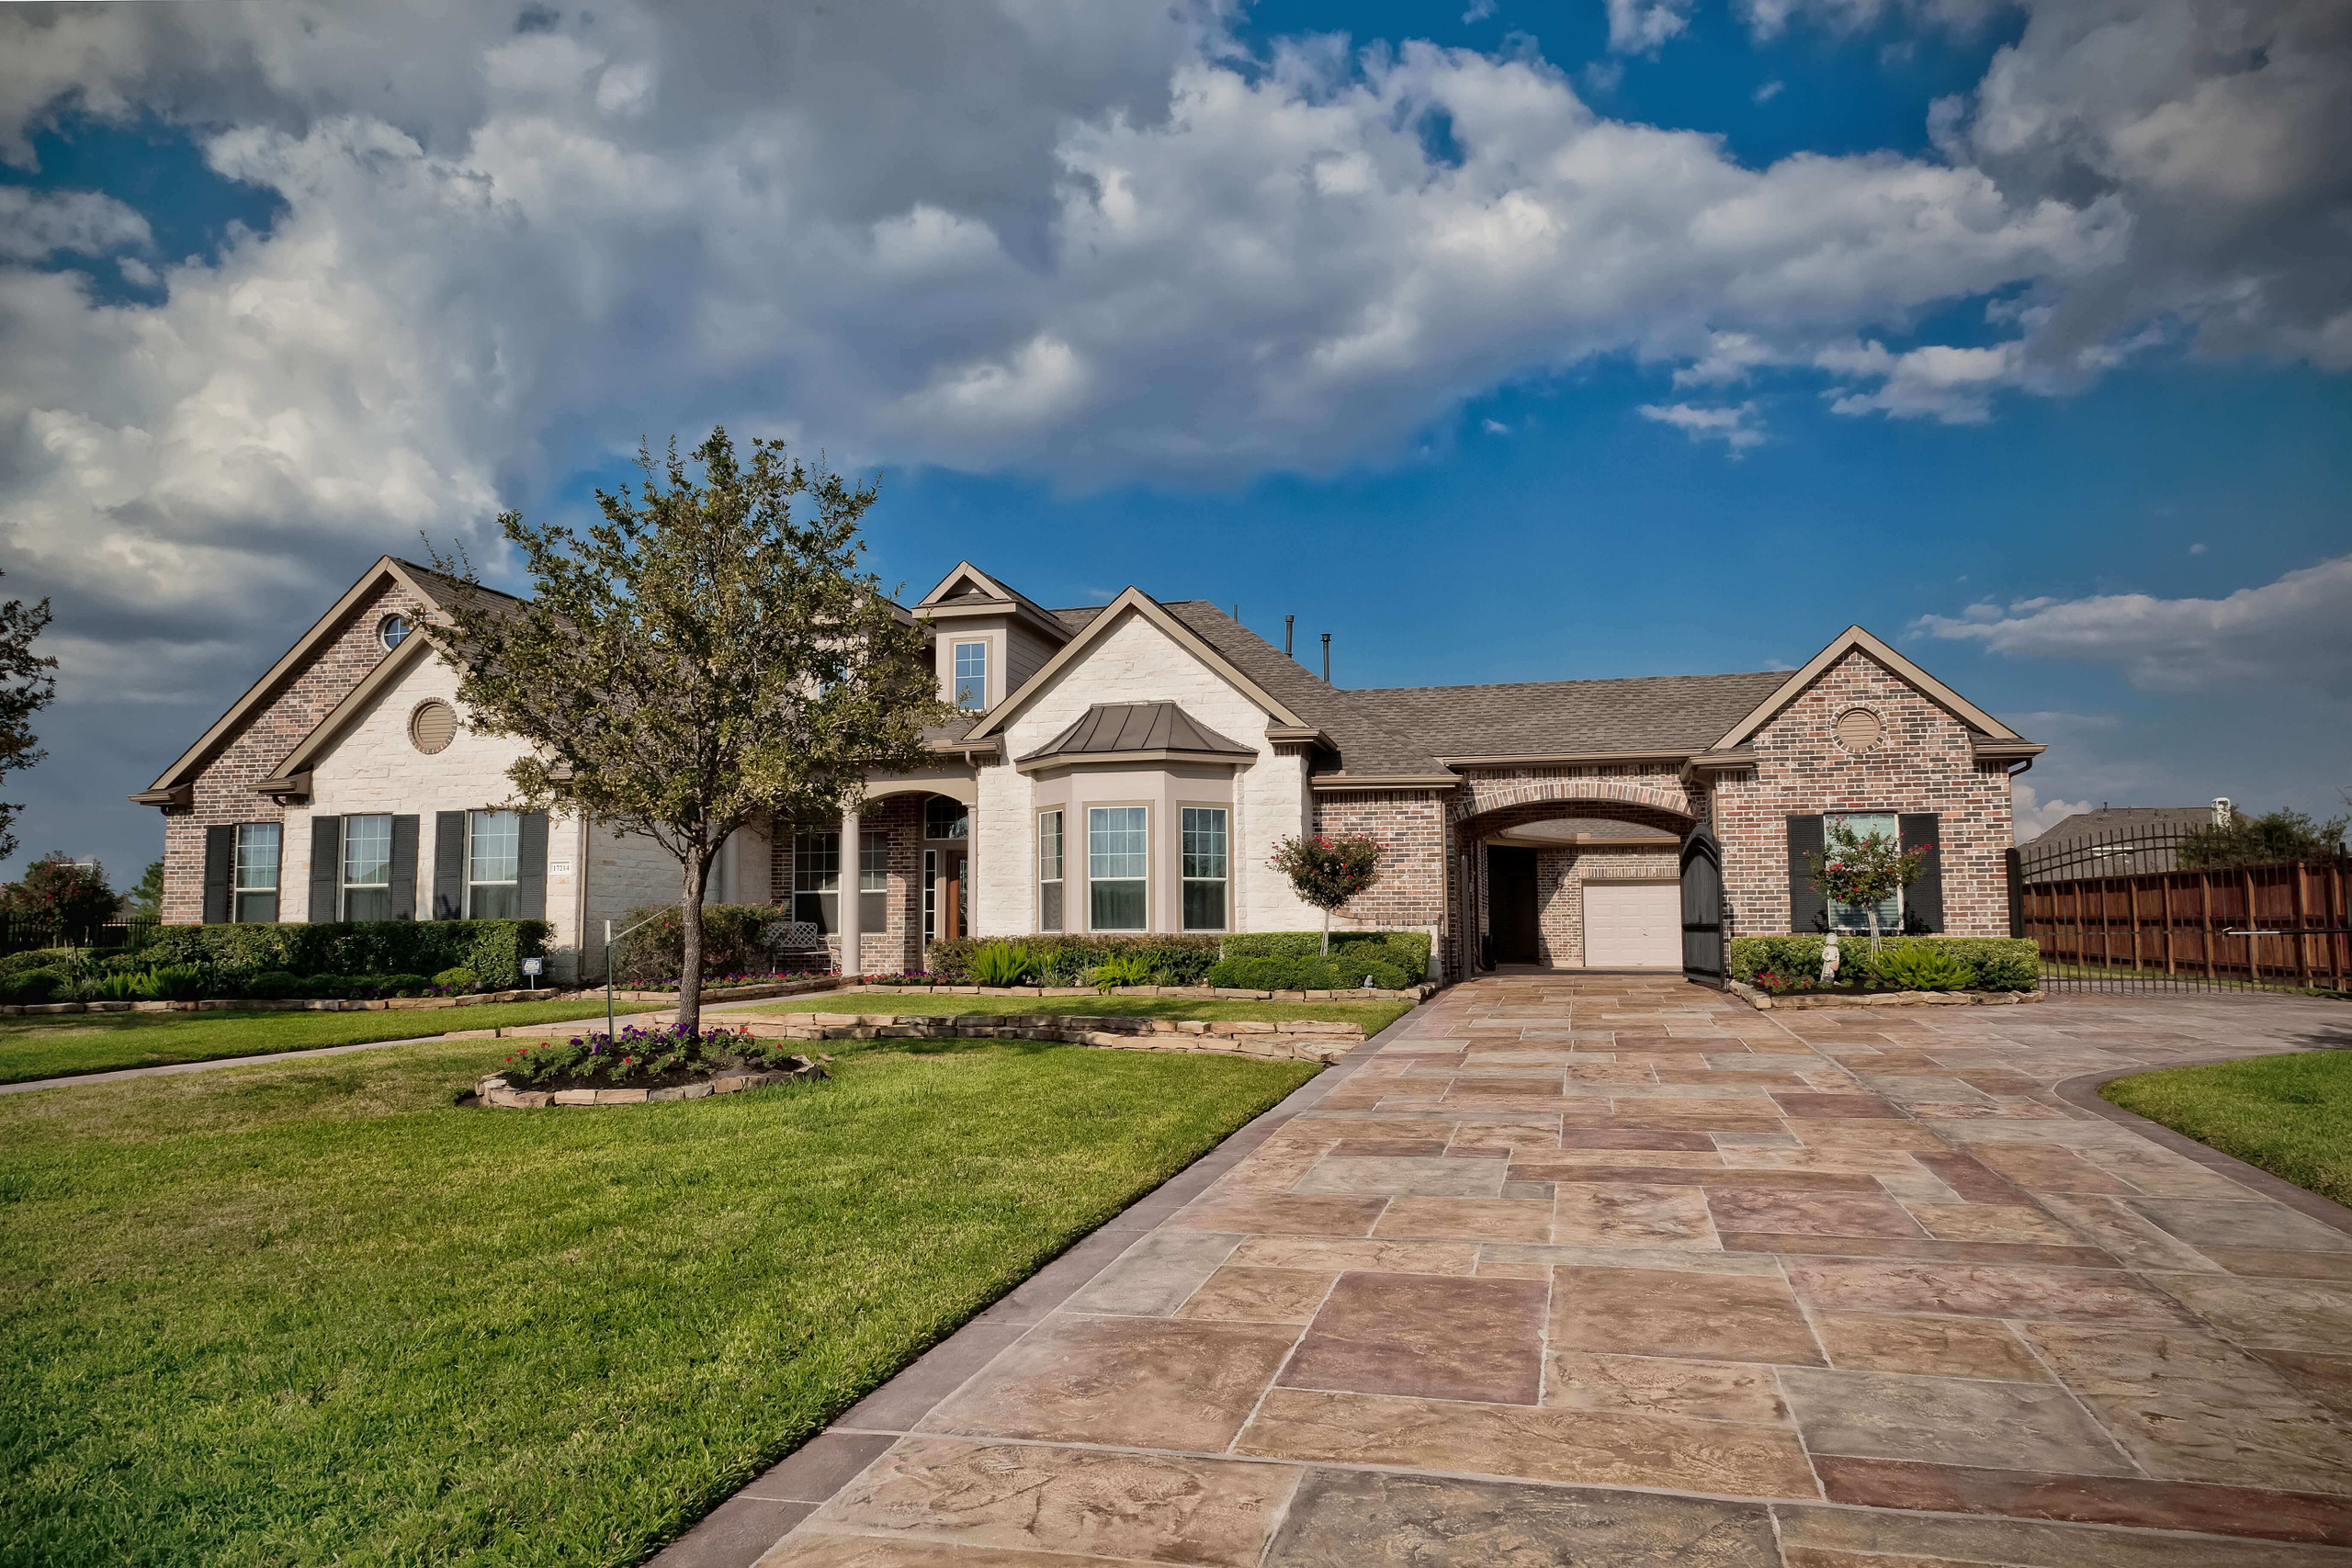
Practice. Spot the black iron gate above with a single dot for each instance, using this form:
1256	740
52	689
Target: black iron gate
1703	910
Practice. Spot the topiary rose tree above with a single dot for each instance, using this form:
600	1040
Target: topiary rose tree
1327	871
1865	869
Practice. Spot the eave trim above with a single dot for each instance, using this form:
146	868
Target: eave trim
1845	642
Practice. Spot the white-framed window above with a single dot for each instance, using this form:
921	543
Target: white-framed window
817	880
1049	871
254	877
1856	917
930	894
493	865
972	675
392	631
1204	868
367	868
1118	868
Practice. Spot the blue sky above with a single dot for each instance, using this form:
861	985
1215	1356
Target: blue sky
1225	308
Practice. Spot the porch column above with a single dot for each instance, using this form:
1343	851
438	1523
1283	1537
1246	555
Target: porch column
850	901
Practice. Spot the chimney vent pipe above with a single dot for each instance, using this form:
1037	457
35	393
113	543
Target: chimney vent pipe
2221	809
1288	622
1327	659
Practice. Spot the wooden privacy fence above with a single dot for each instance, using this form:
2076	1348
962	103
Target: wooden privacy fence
2281	925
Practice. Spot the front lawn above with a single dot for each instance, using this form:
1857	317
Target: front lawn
2292	1115
55	1044
311	1313
1373	1016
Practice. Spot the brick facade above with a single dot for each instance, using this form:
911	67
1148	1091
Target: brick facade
1924	763
223	790
1409	826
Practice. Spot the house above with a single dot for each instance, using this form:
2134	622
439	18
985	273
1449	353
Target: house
1129	767
2116	840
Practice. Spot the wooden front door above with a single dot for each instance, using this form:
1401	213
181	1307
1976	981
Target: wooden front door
1511	905
953	875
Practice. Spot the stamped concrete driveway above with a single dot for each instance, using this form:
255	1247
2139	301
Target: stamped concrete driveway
1611	1271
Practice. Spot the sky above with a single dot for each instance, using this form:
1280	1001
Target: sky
1501	340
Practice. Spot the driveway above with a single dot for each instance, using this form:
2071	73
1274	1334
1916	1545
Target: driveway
1607	1270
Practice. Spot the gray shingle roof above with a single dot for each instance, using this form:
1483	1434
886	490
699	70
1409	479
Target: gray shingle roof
1108	727
2116	819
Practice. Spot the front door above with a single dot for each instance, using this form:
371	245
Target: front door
1511	905
951	879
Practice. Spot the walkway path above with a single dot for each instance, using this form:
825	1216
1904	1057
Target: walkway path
1618	1272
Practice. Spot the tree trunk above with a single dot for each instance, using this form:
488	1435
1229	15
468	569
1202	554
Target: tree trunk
1327	933
697	865
1871	911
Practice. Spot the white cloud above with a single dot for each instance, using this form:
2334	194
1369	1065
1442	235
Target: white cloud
35	225
2296	632
1644	26
1736	427
1768	90
2031	816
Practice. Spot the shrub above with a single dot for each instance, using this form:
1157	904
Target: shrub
1068	960
172	983
1920	967
31	986
58	958
457	978
1002	964
276	985
493	949
121	987
736	939
1995	963
1131	969
1408	950
637	1055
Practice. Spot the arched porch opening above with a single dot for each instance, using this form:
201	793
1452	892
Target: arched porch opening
1569	882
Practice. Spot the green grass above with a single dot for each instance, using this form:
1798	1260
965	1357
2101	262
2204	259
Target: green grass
311	1313
2292	1115
1373	1016
56	1045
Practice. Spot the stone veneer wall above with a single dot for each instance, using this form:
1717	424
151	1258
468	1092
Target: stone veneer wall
1560	877
224	792
1924	763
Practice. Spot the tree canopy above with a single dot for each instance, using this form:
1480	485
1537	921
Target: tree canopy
711	653
25	687
2281	837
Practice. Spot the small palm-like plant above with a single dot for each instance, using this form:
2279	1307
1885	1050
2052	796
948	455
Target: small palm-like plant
1113	973
1002	964
1920	967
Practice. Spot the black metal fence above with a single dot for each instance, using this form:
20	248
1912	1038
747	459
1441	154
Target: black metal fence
19	935
2120	913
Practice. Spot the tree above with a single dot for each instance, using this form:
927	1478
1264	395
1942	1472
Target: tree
1864	869
699	659
1326	871
25	687
147	898
2282	837
61	897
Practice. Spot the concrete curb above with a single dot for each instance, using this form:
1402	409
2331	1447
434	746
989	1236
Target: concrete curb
2083	1093
739	1530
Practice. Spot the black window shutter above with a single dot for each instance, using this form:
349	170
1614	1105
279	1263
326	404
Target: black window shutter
220	851
326	868
1923	901
1808	910
404	868
531	867
448	864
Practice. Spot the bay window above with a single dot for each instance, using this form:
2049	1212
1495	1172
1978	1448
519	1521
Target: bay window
1049	871
1204	868
1118	860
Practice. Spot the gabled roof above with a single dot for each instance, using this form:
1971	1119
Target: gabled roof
2122	819
1640	718
1138	732
429	586
1135	601
969	590
1847	642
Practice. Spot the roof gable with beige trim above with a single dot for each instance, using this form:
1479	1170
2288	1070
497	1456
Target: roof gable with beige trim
1855	639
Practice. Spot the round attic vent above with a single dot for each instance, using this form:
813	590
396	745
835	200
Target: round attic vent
432	726
1859	729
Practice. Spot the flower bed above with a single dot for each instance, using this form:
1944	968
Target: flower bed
642	1066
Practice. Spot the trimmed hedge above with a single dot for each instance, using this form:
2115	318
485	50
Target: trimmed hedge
1408	950
493	949
1069	960
1343	971
1996	963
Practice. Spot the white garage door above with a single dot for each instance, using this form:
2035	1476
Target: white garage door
1633	925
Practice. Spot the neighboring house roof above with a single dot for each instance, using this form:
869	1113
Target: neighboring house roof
2113	820
1138	731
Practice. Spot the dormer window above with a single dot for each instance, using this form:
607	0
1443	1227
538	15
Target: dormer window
972	676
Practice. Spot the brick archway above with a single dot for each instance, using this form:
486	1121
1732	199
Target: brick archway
1480	796
1487	808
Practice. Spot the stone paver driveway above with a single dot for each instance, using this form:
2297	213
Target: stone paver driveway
1607	1271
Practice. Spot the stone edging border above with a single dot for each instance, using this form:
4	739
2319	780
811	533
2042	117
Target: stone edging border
1763	1001
1300	1040
494	1090
2083	1093
712	995
1420	993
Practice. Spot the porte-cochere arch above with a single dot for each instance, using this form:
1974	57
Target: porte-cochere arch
1660	792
